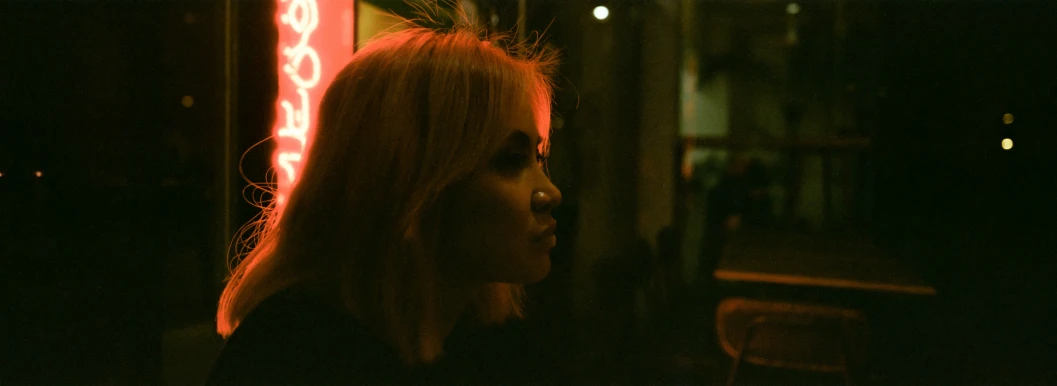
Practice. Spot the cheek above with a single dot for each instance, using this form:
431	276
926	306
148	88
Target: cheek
496	218
490	226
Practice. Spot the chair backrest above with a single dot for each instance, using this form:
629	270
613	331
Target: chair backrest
791	335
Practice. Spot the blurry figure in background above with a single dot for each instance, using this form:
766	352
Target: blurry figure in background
668	258
423	208
759	210
739	200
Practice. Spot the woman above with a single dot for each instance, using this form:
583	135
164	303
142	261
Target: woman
423	205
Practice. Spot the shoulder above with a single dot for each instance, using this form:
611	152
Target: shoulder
296	336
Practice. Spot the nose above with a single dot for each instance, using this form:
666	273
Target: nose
546	198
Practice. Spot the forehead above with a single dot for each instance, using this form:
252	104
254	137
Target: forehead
523	123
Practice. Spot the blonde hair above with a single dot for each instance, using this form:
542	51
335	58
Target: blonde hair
414	112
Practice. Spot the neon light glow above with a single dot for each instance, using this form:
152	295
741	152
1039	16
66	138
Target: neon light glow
315	42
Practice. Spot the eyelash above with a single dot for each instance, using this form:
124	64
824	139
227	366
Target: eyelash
519	160
541	158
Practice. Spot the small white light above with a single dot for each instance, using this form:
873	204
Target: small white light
1007	144
39	173
792	8
601	12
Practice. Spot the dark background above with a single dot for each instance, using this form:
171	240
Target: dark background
119	239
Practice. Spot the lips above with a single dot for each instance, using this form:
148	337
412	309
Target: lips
548	233
545	238
549	242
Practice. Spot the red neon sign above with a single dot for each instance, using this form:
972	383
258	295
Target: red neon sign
315	42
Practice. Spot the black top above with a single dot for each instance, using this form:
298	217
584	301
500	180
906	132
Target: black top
297	337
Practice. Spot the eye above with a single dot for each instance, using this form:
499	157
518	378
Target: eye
513	160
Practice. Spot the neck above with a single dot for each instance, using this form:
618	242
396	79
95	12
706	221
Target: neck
454	297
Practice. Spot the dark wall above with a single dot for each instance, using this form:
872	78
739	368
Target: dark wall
952	71
113	241
978	219
80	271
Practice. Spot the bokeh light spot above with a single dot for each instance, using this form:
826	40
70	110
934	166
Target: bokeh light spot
601	12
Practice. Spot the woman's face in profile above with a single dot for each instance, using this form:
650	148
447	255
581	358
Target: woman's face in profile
500	227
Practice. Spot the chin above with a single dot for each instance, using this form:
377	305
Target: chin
533	272
542	274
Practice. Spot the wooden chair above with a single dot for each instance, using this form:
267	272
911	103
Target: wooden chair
795	336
